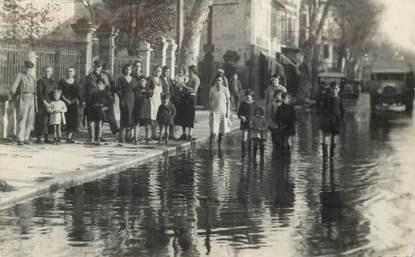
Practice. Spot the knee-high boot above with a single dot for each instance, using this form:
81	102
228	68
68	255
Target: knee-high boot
91	129
325	151
332	148
212	139
254	150
220	136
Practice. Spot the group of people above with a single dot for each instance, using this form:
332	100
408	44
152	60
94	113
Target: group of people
278	119
157	103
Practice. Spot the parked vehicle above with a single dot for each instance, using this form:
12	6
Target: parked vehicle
349	89
392	86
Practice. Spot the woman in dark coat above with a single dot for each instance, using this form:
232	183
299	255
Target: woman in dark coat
142	111
70	95
125	90
45	88
331	116
188	104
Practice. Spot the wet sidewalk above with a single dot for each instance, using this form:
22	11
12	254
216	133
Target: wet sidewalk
36	170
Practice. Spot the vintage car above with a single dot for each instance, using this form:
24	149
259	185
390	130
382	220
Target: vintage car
392	86
349	89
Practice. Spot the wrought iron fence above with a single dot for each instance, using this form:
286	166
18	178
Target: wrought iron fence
12	58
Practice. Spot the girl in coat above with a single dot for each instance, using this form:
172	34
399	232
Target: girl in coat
245	114
258	127
331	116
57	110
165	117
143	94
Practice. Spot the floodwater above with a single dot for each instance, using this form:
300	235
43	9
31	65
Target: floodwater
203	203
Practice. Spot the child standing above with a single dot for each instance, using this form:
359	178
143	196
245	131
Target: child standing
143	95
285	119
273	126
98	103
165	116
245	113
258	126
56	110
332	113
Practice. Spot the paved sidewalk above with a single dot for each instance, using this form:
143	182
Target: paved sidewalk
36	170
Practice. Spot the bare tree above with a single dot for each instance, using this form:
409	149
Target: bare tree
25	22
357	22
318	11
189	51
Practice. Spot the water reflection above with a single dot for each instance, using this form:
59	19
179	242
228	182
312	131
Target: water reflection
220	203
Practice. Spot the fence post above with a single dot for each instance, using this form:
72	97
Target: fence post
160	47
84	31
144	51
107	37
171	56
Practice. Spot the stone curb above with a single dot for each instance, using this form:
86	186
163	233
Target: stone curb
93	174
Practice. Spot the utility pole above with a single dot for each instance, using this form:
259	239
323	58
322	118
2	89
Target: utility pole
179	22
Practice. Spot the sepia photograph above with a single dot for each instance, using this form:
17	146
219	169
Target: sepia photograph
196	128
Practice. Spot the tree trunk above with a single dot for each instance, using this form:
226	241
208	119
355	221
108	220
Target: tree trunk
189	50
309	78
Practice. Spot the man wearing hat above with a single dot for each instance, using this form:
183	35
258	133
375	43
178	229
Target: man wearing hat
45	87
91	85
219	73
23	93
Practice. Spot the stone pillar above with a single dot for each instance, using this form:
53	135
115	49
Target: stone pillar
171	56
107	46
84	30
144	51
159	55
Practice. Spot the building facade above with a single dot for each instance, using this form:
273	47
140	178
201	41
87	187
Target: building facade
261	32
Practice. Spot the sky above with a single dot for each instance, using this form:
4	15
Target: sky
398	22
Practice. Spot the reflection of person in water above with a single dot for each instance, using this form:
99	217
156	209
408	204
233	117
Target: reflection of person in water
281	188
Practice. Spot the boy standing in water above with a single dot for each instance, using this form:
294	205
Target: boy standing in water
285	119
258	126
332	114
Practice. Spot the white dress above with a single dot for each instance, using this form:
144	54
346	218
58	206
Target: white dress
156	98
57	111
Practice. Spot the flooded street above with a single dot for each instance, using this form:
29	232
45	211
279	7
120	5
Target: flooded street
220	203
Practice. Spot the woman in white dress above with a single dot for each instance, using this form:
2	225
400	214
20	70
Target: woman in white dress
155	85
219	107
